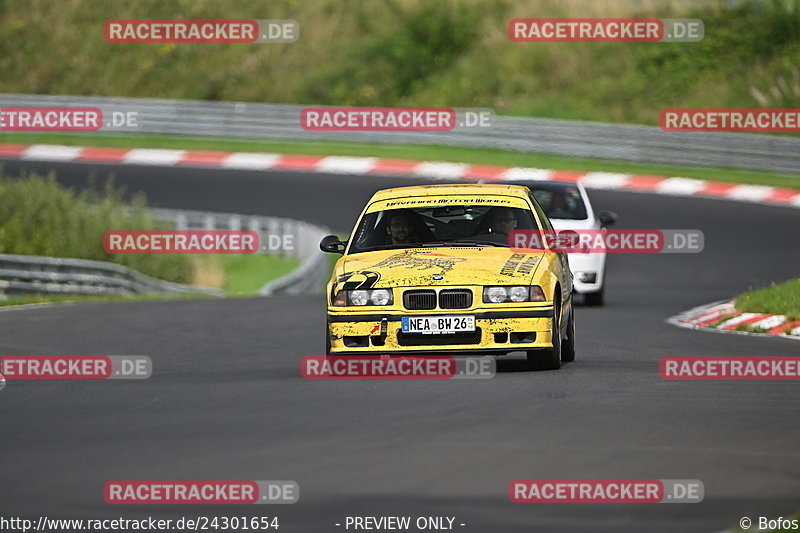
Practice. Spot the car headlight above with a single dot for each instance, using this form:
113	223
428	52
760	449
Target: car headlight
380	297
495	295
362	297
359	297
518	294
515	293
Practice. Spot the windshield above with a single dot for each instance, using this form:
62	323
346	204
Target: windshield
558	201
452	225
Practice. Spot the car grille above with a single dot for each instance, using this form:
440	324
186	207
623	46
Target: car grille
455	299
425	299
416	339
421	299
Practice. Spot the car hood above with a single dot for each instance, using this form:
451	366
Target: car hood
416	267
564	223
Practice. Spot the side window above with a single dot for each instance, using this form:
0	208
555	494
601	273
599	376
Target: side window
366	230
540	213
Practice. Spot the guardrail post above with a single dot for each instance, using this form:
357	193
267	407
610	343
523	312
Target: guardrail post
235	223
181	222
272	228
254	224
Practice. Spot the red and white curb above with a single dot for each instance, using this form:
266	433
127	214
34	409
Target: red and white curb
723	317
674	186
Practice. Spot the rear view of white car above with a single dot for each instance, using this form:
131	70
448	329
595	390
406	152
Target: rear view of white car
568	207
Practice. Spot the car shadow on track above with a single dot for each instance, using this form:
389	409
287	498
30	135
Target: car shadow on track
518	363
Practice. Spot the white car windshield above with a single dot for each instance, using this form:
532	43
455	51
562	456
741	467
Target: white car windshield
560	201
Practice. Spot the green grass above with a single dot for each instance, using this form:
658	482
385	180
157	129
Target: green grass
717	322
750	329
413	152
246	274
415	53
781	299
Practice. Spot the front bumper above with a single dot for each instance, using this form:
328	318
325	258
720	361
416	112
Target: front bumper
593	264
496	332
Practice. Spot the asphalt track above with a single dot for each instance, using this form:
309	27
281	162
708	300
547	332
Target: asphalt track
226	400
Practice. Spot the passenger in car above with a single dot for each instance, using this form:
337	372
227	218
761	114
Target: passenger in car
502	220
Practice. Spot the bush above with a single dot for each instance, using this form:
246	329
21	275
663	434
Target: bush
452	53
40	217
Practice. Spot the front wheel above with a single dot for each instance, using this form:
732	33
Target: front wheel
549	358
327	339
568	347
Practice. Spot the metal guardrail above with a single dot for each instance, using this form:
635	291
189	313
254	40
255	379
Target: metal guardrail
24	274
310	277
313	271
559	137
27	274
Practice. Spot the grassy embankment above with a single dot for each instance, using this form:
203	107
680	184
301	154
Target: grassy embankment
40	217
778	299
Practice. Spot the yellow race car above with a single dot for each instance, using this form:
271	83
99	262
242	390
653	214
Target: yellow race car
429	270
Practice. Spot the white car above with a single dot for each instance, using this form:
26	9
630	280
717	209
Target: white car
568	207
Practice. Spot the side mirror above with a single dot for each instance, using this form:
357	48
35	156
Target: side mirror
607	217
568	239
332	244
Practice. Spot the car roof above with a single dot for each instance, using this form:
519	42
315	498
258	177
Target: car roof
548	185
502	189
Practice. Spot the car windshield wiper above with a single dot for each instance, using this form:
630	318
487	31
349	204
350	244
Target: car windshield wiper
432	244
460	243
380	247
480	243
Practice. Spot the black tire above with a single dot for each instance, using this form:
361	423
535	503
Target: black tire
595	299
568	346
549	358
327	339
